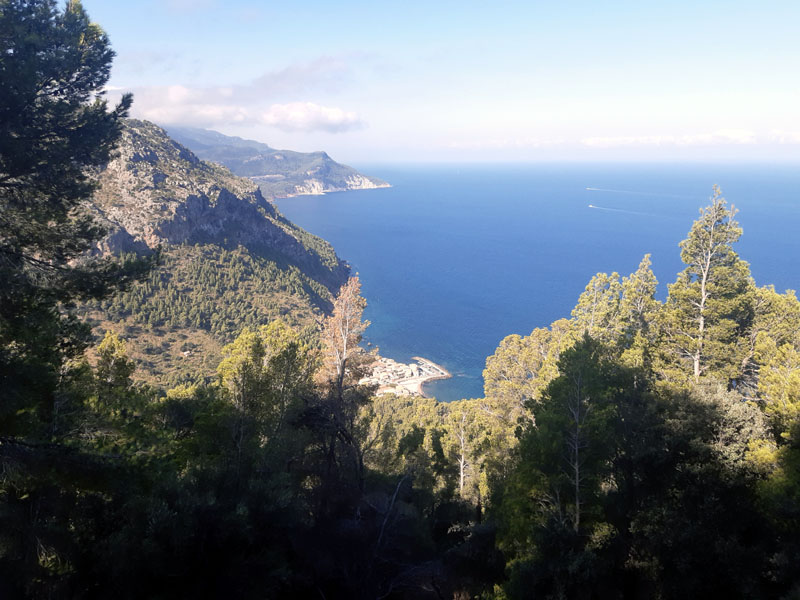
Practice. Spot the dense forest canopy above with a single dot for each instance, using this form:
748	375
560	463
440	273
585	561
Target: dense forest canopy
637	449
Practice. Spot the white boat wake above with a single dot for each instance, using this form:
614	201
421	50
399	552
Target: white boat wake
622	210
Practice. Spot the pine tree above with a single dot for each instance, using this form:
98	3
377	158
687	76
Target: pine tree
55	127
597	312
521	367
638	305
709	308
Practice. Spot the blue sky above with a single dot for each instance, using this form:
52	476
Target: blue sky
470	81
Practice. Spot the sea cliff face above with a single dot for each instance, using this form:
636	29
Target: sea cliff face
316	187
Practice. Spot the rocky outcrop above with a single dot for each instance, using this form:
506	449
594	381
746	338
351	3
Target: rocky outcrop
156	192
119	241
310	187
317	187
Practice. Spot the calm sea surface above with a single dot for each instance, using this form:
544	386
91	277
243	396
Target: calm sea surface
454	258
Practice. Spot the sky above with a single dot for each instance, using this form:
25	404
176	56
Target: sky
445	81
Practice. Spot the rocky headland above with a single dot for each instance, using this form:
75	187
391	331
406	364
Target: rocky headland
278	173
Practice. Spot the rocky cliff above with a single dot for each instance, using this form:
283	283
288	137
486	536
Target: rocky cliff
279	173
157	192
229	258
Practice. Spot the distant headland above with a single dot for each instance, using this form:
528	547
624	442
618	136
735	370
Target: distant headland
278	173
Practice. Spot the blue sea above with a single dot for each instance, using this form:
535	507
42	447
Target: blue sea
454	258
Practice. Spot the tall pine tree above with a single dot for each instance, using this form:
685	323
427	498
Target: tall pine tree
709	309
55	128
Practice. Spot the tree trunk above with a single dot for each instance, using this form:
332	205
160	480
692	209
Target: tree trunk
577	470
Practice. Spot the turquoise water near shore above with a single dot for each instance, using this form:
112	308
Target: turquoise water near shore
453	258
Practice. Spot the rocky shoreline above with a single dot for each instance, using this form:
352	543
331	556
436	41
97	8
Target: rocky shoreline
402	379
316	187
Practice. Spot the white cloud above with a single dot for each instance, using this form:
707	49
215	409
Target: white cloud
722	136
325	73
307	116
784	137
257	103
180	105
507	143
197	114
178	94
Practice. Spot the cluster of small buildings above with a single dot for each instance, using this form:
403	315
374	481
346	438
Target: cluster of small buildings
393	377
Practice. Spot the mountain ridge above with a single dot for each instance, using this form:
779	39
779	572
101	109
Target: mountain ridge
278	173
229	259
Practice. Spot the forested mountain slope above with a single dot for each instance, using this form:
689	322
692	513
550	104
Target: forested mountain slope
228	258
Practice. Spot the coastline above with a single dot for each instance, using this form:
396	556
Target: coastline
392	377
443	373
324	192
